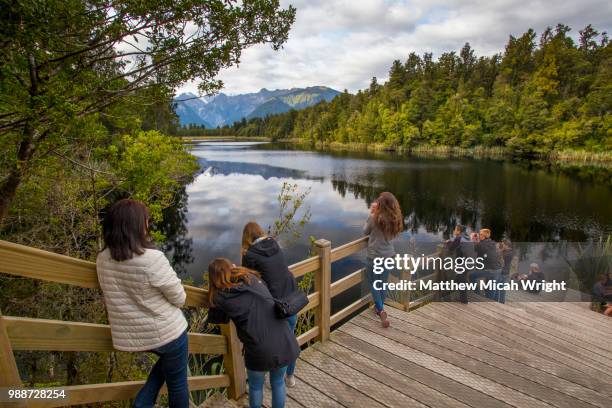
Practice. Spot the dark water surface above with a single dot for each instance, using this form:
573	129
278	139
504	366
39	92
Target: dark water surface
242	181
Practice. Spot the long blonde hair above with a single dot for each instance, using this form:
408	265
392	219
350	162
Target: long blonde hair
250	233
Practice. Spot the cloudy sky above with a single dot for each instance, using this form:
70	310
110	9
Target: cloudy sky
343	43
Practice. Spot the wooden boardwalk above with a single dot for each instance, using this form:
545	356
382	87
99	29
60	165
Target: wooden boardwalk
527	354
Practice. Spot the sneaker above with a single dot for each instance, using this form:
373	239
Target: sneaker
290	381
383	318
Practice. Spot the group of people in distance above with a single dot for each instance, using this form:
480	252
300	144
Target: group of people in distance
144	296
496	257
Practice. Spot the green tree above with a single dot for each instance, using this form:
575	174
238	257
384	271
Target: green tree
63	62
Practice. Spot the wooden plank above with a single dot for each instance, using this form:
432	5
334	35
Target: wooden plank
563	327
119	391
313	301
511	335
415	303
518	388
308	396
267	401
9	374
323	286
21	260
394	304
492	388
404	295
540	384
303	267
57	335
405	385
331	387
576	342
582	311
561	331
581	324
196	297
347	282
349	249
360	382
28	262
352	308
415	373
233	362
522	363
308	336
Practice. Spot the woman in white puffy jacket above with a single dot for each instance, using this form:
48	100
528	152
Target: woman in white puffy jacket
143	297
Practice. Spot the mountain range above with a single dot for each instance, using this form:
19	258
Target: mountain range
225	109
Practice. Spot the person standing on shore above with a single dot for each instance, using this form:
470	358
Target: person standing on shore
384	223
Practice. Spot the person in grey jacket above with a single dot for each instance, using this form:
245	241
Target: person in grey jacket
382	226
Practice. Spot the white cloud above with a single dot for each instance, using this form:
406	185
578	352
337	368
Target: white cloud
342	43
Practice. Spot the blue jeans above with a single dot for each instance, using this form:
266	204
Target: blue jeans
378	295
501	294
292	321
256	385
488	274
170	368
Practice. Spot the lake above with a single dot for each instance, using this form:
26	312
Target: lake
242	180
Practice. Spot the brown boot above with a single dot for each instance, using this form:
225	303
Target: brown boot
383	318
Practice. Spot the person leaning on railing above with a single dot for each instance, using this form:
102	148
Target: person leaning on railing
143	297
239	294
263	254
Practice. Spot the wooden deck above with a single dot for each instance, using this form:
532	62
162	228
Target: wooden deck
485	354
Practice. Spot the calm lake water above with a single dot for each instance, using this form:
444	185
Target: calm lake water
243	180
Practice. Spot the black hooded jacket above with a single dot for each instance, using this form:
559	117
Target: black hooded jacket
269	343
266	257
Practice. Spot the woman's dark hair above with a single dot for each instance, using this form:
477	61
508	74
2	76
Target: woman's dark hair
126	229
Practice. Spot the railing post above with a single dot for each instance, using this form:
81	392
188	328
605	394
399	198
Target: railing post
405	274
9	374
233	362
323	286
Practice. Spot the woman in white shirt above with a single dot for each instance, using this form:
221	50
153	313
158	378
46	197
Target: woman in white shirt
143	297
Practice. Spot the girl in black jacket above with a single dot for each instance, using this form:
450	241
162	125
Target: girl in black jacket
263	254
238	294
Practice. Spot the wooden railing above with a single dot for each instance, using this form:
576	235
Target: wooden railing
20	333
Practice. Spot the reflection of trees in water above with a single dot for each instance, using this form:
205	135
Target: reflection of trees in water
177	246
506	199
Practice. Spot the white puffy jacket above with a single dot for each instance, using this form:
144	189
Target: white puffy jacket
143	297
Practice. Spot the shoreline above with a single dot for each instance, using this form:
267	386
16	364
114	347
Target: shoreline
572	158
565	157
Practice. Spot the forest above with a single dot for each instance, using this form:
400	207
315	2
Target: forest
542	94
